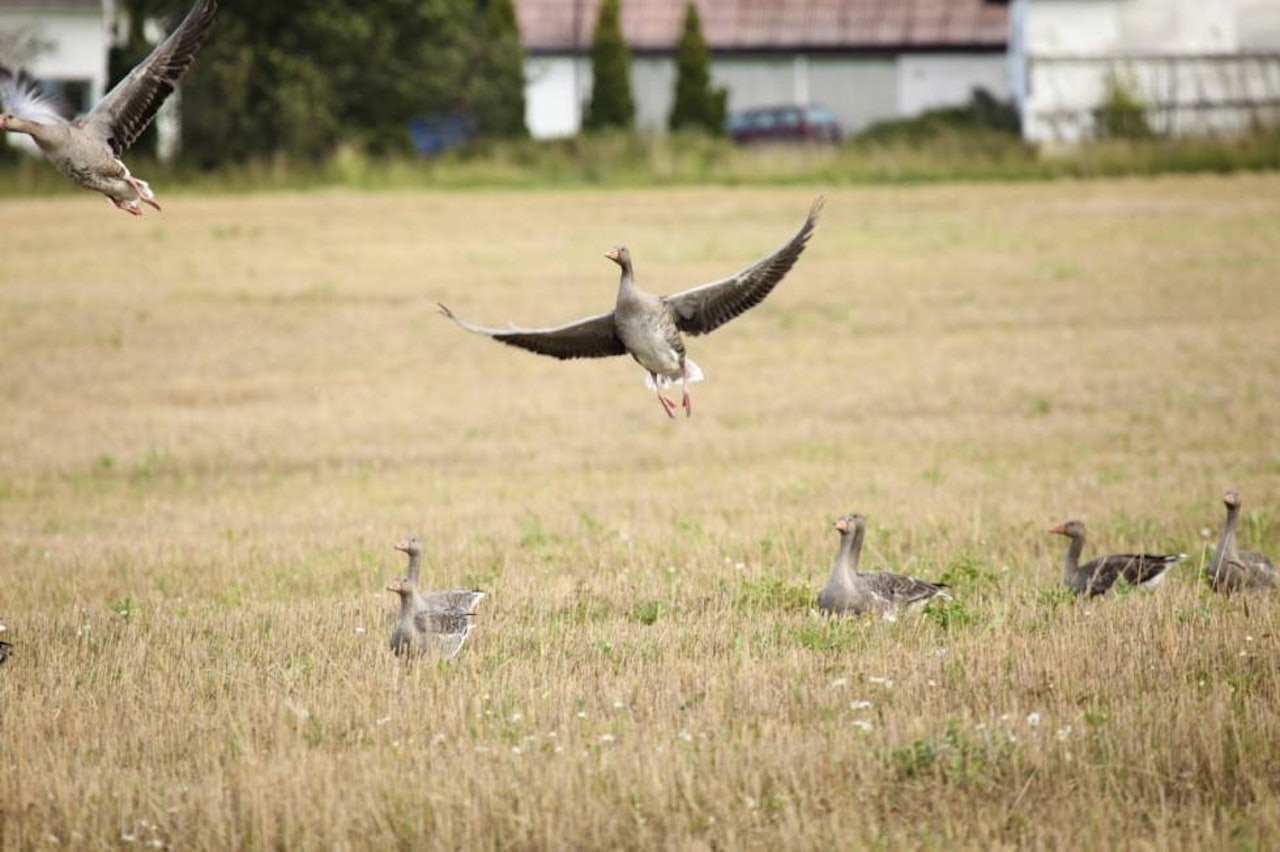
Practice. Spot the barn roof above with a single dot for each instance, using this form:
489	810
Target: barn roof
549	26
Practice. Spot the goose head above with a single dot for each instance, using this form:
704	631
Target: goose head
400	585
850	522
1231	498
1071	529
620	256
410	545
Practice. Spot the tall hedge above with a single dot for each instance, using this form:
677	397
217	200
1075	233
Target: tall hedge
696	105
611	103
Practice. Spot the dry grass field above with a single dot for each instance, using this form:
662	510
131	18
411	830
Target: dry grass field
218	420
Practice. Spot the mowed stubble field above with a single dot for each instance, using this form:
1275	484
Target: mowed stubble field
218	420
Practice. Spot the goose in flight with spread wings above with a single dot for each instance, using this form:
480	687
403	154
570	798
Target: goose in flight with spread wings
649	327
88	148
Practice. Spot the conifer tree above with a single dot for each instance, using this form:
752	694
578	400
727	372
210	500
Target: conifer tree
497	77
611	104
696	105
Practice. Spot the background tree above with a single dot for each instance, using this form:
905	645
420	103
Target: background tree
696	105
611	104
496	97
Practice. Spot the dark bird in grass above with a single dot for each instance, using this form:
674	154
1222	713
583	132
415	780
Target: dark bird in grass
1232	570
436	622
649	328
853	592
88	148
1097	576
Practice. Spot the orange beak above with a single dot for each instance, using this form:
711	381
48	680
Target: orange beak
1060	529
842	525
612	254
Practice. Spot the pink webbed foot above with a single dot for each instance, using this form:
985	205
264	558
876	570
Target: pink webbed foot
130	207
687	402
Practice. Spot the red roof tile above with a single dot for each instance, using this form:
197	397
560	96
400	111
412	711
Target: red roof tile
773	24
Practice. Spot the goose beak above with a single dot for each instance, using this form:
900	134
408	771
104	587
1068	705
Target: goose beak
842	526
612	254
1060	529
393	586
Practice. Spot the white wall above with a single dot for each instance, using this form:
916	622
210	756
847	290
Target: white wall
860	91
74	44
1059	96
926	81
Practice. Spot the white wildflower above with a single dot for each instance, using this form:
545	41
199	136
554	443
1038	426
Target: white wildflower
516	750
887	683
618	705
1064	733
860	704
862	725
359	629
839	682
127	838
685	735
380	722
515	717
1205	532
606	738
1033	720
582	714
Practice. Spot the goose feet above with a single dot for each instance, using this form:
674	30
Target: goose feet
668	405
144	190
130	207
687	402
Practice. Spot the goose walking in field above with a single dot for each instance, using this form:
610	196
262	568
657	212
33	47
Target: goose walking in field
1097	576
88	149
649	327
1233	570
849	590
435	622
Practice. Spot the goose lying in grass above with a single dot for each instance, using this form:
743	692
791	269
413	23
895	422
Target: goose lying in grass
1097	576
849	590
435	622
1232	570
649	327
88	148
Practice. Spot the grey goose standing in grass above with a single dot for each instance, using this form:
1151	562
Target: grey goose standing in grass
1097	576
436	622
88	149
649	327
849	590
1233	570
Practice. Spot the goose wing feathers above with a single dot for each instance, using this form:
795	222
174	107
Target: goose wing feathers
1136	568
593	337
899	589
22	96
128	108
703	309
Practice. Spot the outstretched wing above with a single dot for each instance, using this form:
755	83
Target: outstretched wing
22	96
128	108
702	309
593	337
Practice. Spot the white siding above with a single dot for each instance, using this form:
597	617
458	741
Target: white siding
926	81
1191	94
860	91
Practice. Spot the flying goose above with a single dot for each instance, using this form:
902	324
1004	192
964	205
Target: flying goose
849	590
1233	570
437	621
649	327
88	148
1097	576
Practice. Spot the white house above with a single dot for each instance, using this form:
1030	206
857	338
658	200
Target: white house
1197	66
64	43
867	60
